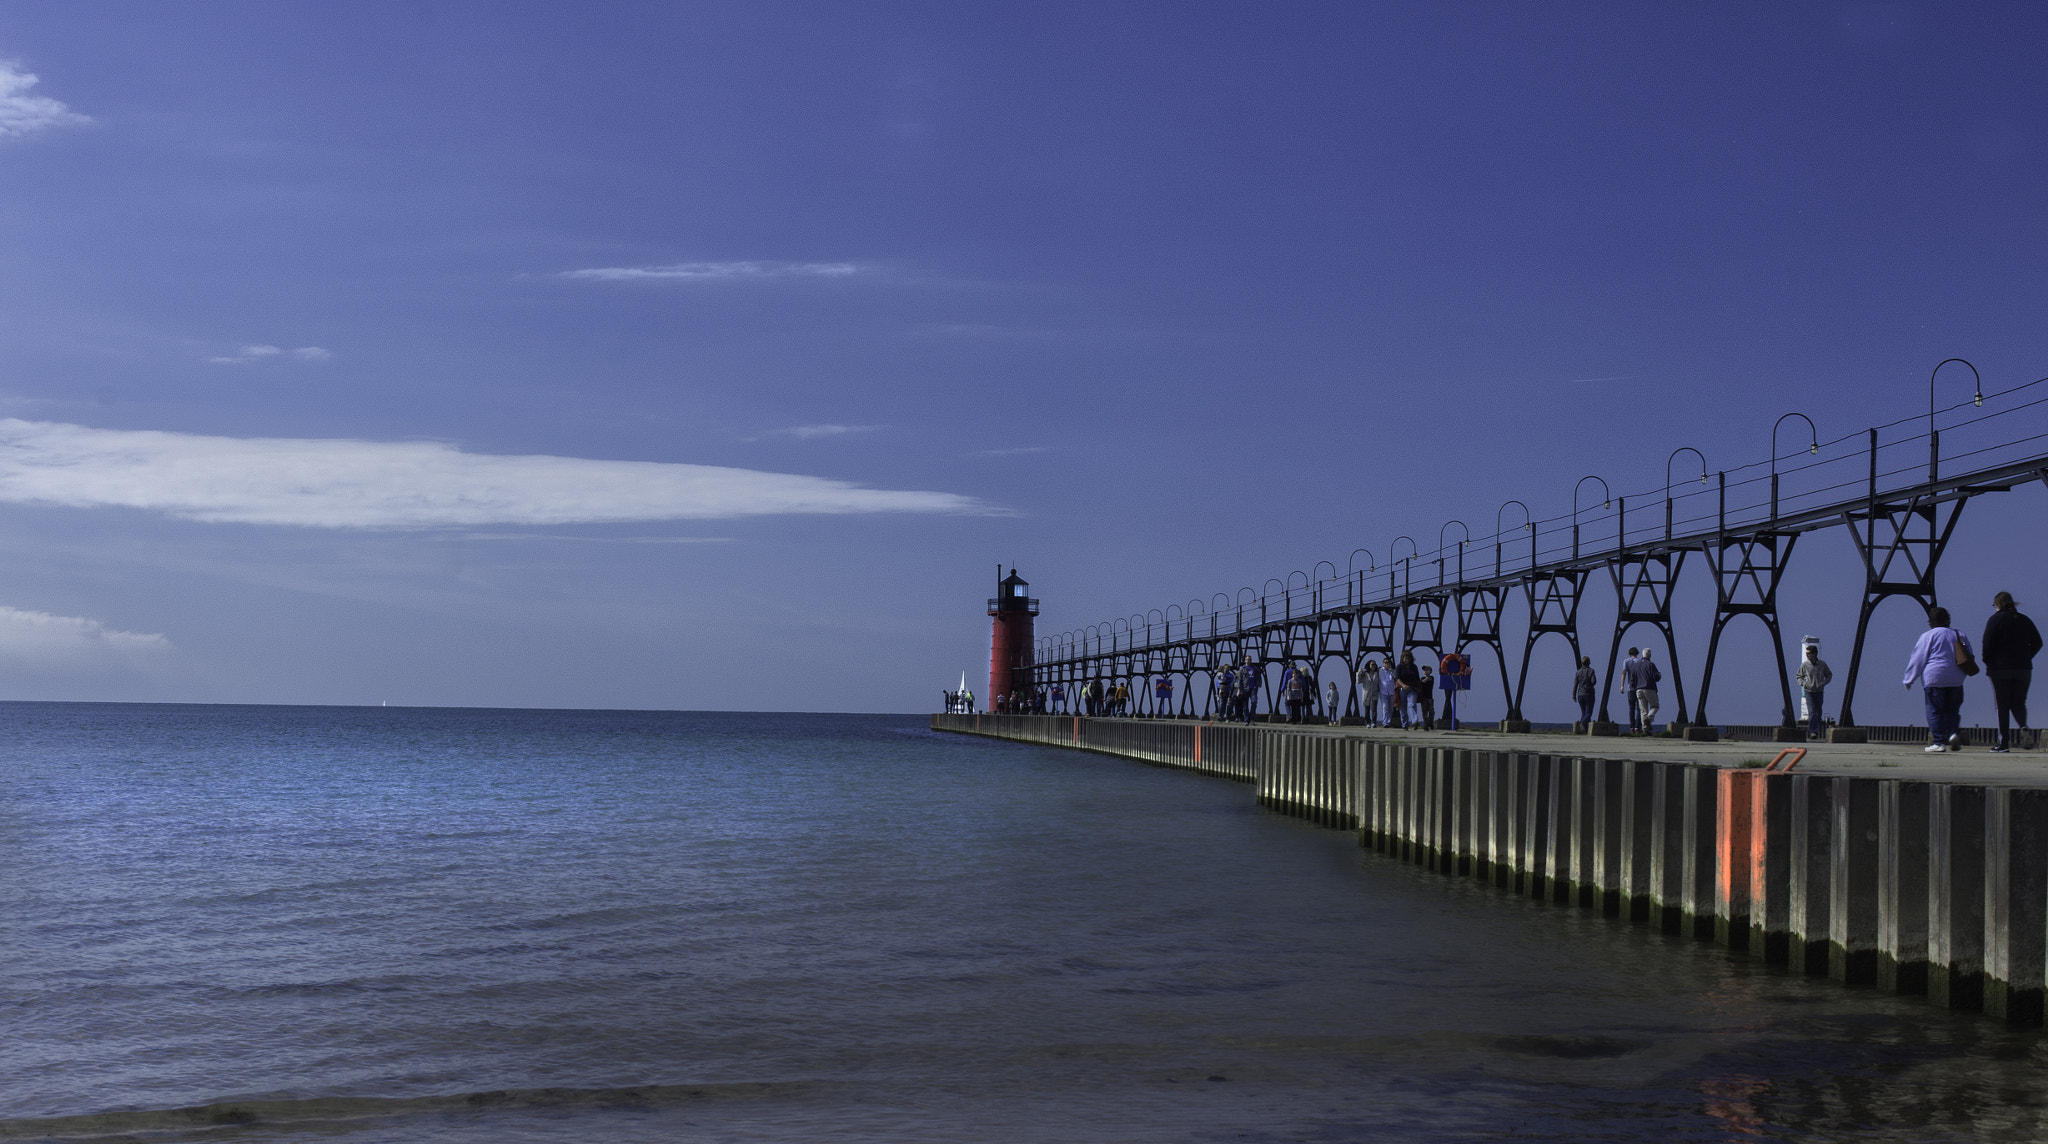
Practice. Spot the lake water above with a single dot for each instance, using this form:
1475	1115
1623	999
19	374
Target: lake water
342	924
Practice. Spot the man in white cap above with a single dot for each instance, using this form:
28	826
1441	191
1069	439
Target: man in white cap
1813	679
1647	677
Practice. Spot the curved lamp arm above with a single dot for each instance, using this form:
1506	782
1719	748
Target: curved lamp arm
1813	437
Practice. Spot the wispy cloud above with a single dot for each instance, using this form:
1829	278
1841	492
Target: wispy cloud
589	539
42	637
400	484
716	272
272	353
25	114
813	432
1016	452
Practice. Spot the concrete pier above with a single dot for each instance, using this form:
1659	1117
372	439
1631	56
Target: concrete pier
1908	883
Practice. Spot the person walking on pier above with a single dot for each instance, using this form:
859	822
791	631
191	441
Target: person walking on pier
1162	693
1248	689
1369	692
1646	691
1336	710
1813	679
2010	643
1629	677
1585	689
1407	681
1939	664
1293	688
1425	697
1226	692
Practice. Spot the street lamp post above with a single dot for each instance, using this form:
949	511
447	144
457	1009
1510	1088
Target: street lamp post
1528	526
1406	561
1461	551
1814	448
1933	437
1667	481
1606	501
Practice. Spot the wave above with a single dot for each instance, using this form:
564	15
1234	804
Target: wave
314	1111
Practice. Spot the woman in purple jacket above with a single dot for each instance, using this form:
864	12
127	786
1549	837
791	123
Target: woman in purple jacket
1936	667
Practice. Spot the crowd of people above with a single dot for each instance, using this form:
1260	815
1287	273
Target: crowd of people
1401	693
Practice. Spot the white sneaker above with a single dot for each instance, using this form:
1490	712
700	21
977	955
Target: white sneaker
1934	749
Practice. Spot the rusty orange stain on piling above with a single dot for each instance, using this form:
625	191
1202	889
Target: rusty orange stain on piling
1759	830
1735	857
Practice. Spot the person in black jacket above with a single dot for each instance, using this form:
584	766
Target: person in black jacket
1585	688
2010	642
1408	686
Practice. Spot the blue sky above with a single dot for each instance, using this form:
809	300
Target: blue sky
712	355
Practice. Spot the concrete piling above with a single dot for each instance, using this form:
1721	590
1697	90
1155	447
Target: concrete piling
2015	890
1667	847
1908	885
1955	896
1557	852
1637	809
1770	865
1734	859
1852	882
1585	868
1697	858
1532	845
1902	899
1607	817
1809	882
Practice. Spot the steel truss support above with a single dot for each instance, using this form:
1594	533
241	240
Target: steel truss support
1748	586
1303	640
1478	611
1334	641
1201	661
1642	595
1553	608
1422	624
1901	546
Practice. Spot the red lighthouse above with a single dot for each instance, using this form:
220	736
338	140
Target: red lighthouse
1009	645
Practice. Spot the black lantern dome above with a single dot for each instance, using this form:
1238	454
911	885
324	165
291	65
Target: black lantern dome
1013	594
